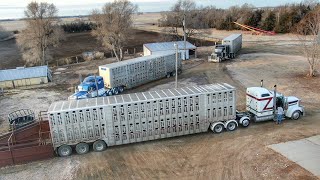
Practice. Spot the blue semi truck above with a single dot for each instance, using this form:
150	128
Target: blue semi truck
93	86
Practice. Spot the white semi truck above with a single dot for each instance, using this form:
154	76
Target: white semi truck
129	118
230	46
116	77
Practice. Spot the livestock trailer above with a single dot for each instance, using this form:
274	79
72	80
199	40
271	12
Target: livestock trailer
141	70
130	118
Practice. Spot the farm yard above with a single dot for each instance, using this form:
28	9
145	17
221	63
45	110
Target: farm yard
242	154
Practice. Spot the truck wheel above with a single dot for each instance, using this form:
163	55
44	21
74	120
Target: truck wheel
231	126
121	89
82	148
115	91
99	145
218	128
109	93
245	123
296	115
64	150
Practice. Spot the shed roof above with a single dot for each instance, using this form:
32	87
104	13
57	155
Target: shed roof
137	97
165	46
23	73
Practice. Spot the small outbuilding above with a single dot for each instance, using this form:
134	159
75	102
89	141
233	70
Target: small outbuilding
152	48
21	76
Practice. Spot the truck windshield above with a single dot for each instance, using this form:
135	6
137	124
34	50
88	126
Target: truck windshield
83	88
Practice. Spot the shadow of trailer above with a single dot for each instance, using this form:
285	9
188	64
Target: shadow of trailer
29	143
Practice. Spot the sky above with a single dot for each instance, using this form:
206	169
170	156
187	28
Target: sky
217	3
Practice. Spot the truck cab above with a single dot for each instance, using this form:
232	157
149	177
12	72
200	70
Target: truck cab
89	88
260	104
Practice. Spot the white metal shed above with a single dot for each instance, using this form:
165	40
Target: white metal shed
11	78
153	48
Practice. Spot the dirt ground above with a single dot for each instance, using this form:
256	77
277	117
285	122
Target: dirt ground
242	154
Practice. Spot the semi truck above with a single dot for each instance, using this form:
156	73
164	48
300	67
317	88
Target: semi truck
230	46
99	123
114	78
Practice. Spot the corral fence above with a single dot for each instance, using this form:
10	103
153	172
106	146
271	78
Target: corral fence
30	143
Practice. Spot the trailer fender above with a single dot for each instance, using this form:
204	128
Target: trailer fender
212	125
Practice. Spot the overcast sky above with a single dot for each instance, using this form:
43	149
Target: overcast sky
217	3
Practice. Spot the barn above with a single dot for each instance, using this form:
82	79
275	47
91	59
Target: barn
152	48
21	76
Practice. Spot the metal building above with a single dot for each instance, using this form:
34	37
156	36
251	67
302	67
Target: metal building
142	116
12	78
141	70
153	48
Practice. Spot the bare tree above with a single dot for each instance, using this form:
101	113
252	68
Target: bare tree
113	25
174	19
41	32
311	44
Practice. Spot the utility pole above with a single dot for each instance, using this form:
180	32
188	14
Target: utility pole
176	83
184	35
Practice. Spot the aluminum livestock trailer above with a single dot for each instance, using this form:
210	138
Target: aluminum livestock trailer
130	118
138	71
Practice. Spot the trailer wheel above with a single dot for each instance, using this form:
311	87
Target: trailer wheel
173	74
99	145
64	150
168	75
231	126
296	115
218	128
82	148
245	123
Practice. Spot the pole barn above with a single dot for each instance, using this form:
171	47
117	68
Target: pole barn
160	47
12	78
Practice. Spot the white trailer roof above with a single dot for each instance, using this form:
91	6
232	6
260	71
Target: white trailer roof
232	37
137	97
135	60
166	46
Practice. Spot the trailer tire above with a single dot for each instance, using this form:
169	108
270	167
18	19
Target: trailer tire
296	115
245	123
231	126
218	128
99	146
173	74
168	75
82	148
64	150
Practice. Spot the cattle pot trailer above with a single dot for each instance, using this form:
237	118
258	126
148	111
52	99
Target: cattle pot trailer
129	118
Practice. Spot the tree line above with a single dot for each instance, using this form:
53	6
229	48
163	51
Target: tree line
281	19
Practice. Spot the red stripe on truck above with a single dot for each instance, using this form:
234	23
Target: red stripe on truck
263	99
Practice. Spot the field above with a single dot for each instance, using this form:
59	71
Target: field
242	154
